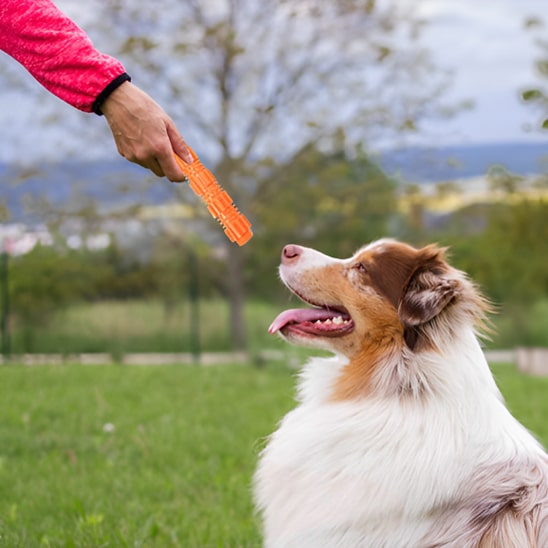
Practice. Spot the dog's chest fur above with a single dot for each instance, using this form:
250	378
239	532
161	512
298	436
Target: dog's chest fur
375	472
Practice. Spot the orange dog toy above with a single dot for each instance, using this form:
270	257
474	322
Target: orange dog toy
235	225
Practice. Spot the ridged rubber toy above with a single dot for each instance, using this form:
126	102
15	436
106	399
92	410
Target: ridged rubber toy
235	225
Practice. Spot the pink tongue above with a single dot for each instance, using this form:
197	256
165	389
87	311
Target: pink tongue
299	315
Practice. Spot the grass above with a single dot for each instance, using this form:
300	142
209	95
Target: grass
152	456
175	471
117	327
526	397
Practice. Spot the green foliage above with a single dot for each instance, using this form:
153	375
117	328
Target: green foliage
500	179
329	202
43	283
45	279
537	97
532	95
526	398
110	302
521	324
48	277
503	247
508	258
327	65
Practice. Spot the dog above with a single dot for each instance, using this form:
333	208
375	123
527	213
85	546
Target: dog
401	438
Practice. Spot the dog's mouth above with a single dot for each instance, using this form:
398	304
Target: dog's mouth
320	321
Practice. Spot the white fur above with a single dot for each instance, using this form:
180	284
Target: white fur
372	472
312	259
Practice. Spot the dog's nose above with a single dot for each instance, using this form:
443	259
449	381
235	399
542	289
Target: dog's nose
291	253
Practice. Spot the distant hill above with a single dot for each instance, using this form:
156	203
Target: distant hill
432	165
69	183
112	184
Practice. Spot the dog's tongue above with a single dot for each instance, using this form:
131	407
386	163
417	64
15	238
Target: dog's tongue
300	315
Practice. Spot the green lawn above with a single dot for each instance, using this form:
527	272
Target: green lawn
119	327
151	456
175	471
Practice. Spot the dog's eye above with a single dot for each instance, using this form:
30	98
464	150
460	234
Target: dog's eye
360	267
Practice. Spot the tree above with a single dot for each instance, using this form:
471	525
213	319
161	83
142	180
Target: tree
502	180
447	189
537	96
327	201
253	83
508	257
415	202
61	280
263	81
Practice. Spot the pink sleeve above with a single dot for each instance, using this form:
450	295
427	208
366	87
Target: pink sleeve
56	51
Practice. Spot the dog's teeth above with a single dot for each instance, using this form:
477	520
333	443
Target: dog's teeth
337	320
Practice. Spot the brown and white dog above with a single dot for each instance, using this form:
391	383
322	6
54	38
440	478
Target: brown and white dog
402	439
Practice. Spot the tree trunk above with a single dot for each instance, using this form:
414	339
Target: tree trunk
236	296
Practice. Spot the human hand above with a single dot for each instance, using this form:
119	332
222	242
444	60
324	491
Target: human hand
144	133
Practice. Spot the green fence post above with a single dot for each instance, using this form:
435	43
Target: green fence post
4	277
194	297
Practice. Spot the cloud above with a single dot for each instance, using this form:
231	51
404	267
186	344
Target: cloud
491	55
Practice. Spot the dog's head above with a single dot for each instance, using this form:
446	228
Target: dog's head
386	294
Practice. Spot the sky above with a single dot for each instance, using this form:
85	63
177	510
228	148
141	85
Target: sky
492	56
484	43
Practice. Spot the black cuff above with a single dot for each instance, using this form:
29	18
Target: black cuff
102	97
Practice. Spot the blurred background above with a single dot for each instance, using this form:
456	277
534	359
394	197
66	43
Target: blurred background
329	123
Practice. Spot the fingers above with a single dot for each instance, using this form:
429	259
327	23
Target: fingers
177	146
144	133
155	167
156	151
168	167
178	143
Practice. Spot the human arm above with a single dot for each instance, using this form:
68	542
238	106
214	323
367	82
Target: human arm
57	52
61	56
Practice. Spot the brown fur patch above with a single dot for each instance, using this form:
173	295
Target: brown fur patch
372	296
400	300
355	380
377	347
392	269
392	265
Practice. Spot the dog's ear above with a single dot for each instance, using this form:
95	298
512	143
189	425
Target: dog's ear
426	294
